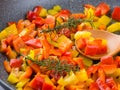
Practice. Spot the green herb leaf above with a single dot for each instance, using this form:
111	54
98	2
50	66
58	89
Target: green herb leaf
59	66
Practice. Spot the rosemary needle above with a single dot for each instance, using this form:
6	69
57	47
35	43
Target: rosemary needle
71	23
59	66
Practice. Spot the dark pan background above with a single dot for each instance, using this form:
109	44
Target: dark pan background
13	10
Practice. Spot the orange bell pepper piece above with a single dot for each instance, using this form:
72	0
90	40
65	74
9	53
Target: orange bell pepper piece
18	43
89	6
55	52
46	47
11	53
79	61
78	15
7	66
20	25
27	73
34	66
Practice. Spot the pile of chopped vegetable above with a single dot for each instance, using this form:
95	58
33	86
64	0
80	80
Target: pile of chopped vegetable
89	45
42	54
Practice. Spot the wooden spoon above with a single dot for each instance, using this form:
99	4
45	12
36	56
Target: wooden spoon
113	43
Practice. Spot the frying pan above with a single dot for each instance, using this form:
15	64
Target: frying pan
13	10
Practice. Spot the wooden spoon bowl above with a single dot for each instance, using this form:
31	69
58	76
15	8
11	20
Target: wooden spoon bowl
113	43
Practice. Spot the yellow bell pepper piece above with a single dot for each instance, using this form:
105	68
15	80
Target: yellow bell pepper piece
96	24
24	66
74	53
19	89
59	20
87	62
57	8
70	79
89	12
22	82
52	12
51	41
10	30
43	12
82	75
105	20
82	34
61	81
62	88
64	43
31	54
114	27
47	79
104	42
12	78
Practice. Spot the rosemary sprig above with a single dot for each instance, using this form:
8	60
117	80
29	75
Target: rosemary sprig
58	66
70	23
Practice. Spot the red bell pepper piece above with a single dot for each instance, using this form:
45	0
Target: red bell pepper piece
64	14
117	61
102	49
37	9
108	64
50	21
10	23
116	13
65	31
107	60
101	80
32	15
47	86
109	69
102	85
10	39
102	9
34	43
39	21
65	11
93	69
67	58
37	82
15	63
94	86
111	83
91	50
67	54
